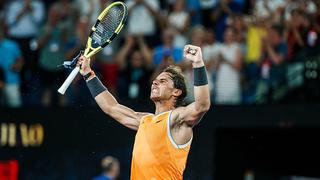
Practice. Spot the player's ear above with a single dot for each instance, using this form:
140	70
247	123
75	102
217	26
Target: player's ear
177	92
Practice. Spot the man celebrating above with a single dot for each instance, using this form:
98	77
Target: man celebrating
163	139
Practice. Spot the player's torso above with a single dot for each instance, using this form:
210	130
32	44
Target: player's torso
150	142
154	155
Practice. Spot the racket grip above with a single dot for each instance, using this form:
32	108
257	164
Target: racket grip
69	80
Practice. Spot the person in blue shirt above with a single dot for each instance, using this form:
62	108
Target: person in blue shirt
167	49
11	62
223	10
110	169
274	60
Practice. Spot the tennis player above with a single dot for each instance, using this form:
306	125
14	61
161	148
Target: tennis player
163	139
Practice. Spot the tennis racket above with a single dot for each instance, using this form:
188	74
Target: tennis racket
107	27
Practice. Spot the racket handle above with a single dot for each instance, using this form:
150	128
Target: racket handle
69	80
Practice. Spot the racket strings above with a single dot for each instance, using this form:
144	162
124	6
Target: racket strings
108	25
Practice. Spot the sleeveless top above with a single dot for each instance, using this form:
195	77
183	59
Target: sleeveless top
155	154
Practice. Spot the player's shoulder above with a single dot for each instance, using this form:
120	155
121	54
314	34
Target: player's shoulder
143	114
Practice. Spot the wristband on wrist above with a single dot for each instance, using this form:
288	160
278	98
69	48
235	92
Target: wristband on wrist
200	76
95	87
86	77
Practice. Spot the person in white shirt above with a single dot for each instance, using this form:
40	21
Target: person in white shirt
228	89
211	51
26	15
179	21
141	18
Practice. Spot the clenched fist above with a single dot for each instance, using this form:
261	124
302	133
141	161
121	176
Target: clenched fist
194	55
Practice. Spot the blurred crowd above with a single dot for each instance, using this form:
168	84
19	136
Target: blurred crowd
247	45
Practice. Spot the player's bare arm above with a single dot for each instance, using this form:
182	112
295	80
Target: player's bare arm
183	119
107	102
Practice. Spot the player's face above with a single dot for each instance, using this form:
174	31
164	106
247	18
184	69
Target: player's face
162	87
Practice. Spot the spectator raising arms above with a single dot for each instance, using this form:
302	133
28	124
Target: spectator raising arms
135	62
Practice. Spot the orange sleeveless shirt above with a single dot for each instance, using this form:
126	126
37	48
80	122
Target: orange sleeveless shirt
155	154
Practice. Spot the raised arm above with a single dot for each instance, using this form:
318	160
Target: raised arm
191	114
106	101
124	51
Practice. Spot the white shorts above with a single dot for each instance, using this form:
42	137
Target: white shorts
12	95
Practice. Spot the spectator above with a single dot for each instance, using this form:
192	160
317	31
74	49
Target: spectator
198	39
306	6
52	42
179	21
194	10
142	18
23	18
239	25
297	33
273	60
11	64
228	89
207	6
69	14
26	15
135	68
256	33
313	40
224	10
67	10
211	47
210	54
110	169
167	49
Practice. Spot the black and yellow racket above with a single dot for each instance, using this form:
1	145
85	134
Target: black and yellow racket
107	27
